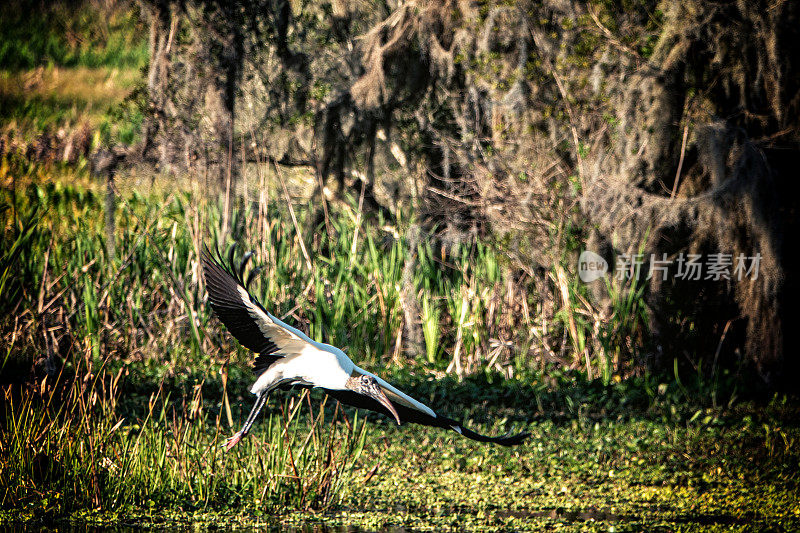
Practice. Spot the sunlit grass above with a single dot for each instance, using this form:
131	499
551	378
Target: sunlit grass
143	311
90	34
66	447
143	384
50	99
67	66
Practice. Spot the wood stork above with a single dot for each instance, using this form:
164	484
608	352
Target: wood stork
288	357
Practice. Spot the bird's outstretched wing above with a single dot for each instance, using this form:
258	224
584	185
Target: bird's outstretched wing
412	411
243	314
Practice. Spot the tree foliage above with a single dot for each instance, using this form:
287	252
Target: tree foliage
540	125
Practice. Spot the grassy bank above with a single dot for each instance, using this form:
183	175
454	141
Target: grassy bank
730	469
67	69
119	386
72	34
60	100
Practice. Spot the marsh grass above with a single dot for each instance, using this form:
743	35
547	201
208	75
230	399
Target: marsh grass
90	34
86	329
119	386
147	301
66	447
57	102
70	69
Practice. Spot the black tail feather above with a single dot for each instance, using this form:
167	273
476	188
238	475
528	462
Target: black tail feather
414	416
504	440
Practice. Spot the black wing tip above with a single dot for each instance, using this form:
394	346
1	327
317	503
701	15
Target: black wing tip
230	306
214	259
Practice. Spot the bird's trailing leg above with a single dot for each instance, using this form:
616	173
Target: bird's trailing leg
261	399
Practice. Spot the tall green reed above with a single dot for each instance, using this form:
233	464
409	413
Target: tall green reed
149	300
66	447
81	441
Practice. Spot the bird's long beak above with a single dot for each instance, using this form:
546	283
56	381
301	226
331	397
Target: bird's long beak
379	395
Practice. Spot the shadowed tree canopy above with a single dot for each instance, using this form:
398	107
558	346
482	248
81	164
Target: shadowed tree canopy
661	126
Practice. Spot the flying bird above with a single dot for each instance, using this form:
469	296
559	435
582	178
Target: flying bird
287	357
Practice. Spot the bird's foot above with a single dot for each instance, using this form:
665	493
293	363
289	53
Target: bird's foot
232	441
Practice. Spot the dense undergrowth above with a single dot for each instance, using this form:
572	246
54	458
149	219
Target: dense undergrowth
69	74
119	385
90	34
343	279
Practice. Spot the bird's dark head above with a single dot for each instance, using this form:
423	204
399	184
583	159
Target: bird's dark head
367	385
